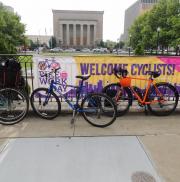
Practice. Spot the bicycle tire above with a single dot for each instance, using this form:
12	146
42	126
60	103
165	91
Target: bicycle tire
37	100
124	101
170	98
99	110
14	106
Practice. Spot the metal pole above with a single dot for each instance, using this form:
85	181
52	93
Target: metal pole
51	42
157	42
158	30
24	45
130	45
38	45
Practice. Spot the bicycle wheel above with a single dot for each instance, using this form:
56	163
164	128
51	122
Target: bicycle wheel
14	106
44	104
99	110
121	96
164	99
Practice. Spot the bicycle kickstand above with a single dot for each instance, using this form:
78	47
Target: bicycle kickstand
75	113
145	110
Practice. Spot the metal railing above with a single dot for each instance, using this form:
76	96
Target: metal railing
28	72
26	67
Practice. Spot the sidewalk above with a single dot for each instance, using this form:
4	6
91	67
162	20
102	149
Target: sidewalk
159	136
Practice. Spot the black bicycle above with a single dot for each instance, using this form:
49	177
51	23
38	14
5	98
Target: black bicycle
14	106
98	109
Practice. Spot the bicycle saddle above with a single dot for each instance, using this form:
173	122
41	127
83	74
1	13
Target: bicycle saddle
155	74
83	77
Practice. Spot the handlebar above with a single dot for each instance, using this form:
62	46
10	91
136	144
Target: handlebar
153	74
123	73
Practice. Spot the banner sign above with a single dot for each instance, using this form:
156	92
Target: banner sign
66	75
101	70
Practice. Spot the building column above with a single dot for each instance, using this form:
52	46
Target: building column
94	41
74	34
81	35
61	34
67	34
88	35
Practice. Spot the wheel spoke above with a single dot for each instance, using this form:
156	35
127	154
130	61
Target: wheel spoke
99	110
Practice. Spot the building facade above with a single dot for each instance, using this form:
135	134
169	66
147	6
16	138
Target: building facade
40	39
138	8
77	28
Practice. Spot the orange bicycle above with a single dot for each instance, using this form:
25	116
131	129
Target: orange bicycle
160	99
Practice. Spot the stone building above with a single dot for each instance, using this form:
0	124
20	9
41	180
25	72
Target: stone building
138	8
41	39
77	28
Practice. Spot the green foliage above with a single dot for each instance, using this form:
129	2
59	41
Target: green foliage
109	44
11	31
33	45
101	44
164	15
52	42
119	45
139	50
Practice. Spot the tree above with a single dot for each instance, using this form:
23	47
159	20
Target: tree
136	31
33	45
119	45
109	44
11	31
164	15
101	44
52	42
139	50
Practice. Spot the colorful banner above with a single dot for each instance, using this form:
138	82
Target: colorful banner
101	70
66	75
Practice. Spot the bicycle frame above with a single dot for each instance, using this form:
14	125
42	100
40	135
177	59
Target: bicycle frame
74	107
150	82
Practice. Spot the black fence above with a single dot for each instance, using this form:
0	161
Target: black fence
26	63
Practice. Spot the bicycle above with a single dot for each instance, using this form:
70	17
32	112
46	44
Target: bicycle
97	108
160	99
14	106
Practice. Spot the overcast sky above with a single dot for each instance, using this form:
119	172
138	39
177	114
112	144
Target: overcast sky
37	14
